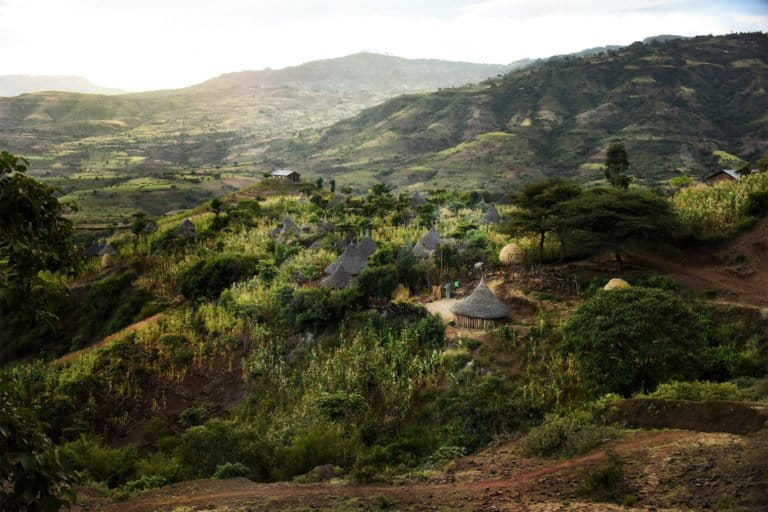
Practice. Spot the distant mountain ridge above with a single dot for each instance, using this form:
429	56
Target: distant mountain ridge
13	85
365	71
679	104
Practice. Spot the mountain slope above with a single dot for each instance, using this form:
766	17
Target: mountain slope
13	85
673	103
118	154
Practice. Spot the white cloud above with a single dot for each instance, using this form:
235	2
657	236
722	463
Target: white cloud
145	44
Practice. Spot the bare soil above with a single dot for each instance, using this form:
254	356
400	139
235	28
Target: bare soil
667	470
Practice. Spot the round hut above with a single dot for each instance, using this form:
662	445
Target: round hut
186	229
481	309
491	216
511	254
107	249
338	279
367	246
352	259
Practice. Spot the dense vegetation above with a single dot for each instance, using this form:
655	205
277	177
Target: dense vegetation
254	371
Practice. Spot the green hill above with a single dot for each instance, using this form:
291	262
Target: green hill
185	145
674	103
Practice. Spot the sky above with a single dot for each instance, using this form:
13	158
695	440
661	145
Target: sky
154	44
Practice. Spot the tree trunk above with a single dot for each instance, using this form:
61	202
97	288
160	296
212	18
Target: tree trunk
619	261
541	247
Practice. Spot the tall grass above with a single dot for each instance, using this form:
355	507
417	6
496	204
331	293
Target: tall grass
712	211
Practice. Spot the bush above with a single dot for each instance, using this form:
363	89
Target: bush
473	414
143	484
608	484
159	465
698	391
88	455
208	278
633	339
566	435
229	470
204	448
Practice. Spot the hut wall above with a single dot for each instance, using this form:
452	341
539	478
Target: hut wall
470	322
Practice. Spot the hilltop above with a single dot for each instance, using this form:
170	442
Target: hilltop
682	106
13	85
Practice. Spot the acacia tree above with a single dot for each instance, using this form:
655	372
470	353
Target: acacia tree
617	219
616	164
541	210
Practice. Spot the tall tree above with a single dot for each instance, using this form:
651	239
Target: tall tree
34	237
541	210
34	234
617	219
616	164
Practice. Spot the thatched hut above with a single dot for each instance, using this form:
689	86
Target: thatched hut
504	199
421	252
367	246
481	309
432	239
107	249
617	284
186	229
491	216
340	278
352	260
94	249
511	254
417	199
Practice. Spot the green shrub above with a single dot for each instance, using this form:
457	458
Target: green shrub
698	391
230	470
208	278
473	413
319	445
203	448
566	435
144	483
194	416
633	339
757	203
608	484
88	455
160	465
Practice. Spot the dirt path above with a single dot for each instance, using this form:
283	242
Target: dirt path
518	491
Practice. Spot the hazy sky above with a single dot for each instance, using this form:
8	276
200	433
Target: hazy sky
150	44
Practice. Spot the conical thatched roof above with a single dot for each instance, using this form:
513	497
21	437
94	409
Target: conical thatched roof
107	249
417	199
511	254
431	240
186	229
316	245
94	249
491	216
504	199
149	227
351	259
481	303
338	279
420	251
367	246
617	284
288	223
